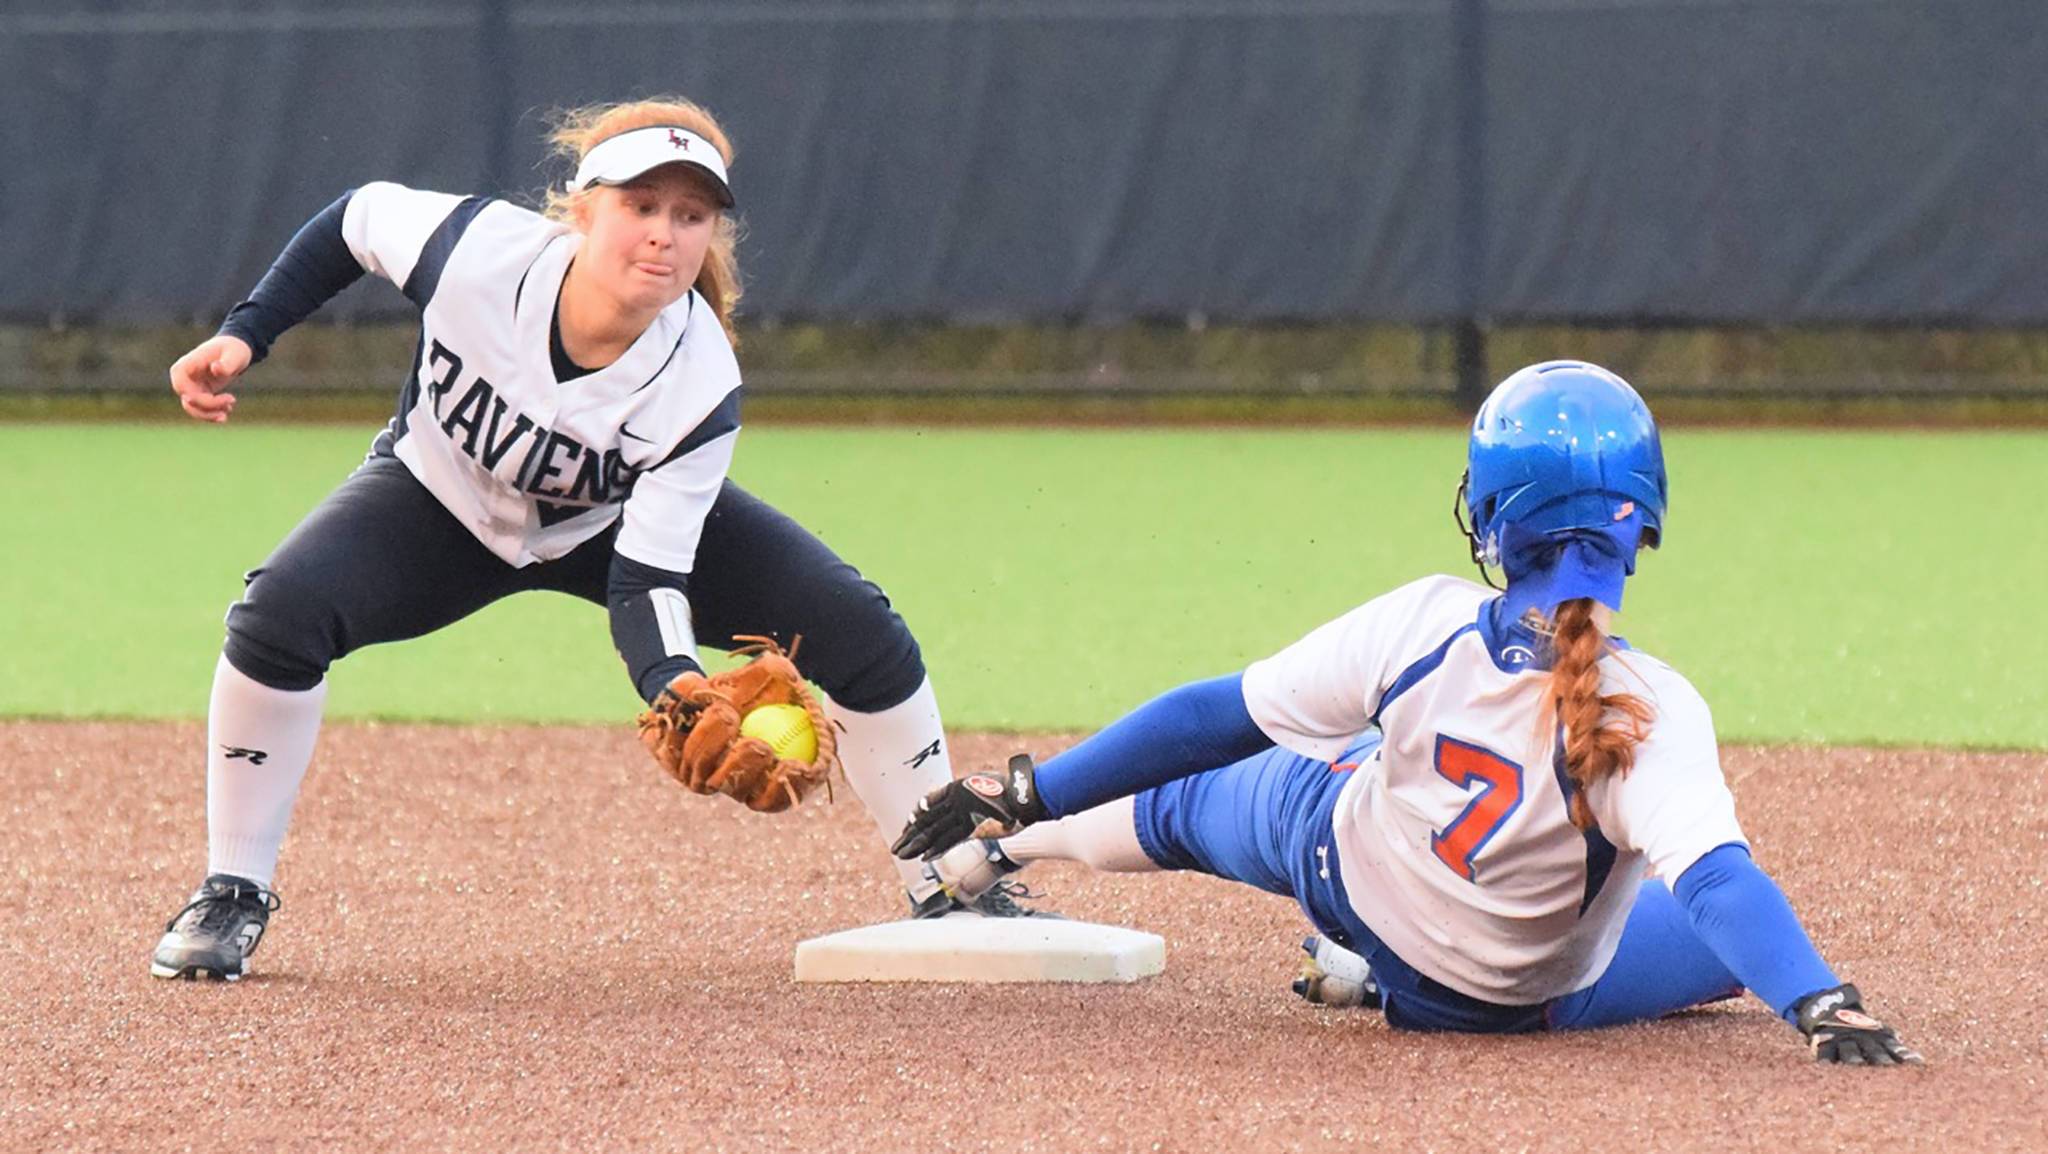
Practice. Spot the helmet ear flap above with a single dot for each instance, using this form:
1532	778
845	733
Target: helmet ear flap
1460	510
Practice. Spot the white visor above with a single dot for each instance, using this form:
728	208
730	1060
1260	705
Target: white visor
618	159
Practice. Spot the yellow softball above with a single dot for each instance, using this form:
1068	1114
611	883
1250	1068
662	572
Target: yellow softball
786	729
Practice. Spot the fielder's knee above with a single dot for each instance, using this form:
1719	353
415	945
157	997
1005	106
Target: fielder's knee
866	671
274	649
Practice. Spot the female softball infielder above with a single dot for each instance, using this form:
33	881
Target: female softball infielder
1462	788
568	425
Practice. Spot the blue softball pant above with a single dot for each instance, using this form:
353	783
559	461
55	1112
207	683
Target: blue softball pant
1266	821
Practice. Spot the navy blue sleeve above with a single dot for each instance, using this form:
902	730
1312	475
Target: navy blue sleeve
636	624
1744	918
315	266
1200	726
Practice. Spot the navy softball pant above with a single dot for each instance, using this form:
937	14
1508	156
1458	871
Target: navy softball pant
380	559
1266	821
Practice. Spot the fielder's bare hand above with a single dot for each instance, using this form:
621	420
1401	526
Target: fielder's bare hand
199	376
978	805
1835	1022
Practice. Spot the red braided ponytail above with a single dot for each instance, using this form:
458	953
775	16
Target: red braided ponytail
1600	733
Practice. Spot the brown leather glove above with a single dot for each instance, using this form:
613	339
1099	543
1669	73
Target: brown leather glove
693	730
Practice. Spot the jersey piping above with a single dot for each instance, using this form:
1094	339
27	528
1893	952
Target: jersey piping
1414	674
1600	853
426	272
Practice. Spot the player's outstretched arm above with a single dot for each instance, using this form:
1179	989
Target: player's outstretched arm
1196	727
1742	915
316	265
978	805
201	377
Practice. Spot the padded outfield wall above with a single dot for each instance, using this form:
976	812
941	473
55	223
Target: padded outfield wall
1406	161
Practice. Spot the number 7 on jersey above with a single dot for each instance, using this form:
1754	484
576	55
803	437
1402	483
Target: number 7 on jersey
1500	793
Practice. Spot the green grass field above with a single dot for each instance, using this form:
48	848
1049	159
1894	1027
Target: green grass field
1817	586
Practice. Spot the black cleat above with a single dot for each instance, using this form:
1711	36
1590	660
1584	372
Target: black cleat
213	936
997	901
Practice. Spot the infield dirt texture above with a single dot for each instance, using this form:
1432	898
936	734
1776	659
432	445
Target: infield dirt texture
528	939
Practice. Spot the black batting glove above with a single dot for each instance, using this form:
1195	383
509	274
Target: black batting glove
1834	1021
978	805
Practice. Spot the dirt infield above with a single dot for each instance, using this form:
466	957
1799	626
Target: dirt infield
526	939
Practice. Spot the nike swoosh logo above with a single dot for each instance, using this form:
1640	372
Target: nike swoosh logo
626	432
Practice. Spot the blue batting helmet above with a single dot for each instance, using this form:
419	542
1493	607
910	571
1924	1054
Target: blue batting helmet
1562	445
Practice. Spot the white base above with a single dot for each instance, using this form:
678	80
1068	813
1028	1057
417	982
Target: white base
963	947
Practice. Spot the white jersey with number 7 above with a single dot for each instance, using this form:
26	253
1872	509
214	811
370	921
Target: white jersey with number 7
1454	837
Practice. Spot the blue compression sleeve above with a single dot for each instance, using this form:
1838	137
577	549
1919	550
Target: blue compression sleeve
315	266
1200	726
1744	918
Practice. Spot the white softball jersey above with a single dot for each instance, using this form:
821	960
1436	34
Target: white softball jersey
532	466
1454	840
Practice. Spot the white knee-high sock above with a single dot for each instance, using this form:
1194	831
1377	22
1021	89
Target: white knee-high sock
259	741
1103	838
892	759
